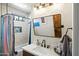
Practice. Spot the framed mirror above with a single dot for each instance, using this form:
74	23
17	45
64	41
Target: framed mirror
49	26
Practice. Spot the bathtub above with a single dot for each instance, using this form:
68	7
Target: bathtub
19	49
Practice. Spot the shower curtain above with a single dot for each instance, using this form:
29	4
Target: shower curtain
7	35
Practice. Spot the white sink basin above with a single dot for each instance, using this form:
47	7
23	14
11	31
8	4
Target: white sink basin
39	51
42	50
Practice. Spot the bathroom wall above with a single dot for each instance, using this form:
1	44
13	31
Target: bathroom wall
76	29
20	38
65	10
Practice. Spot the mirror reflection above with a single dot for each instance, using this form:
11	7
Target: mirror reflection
49	26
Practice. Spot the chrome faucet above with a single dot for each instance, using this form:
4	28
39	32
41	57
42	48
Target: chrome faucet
43	44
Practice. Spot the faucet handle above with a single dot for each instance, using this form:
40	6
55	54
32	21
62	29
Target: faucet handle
44	40
48	46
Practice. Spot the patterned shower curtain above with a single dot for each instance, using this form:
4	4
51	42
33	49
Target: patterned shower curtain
7	35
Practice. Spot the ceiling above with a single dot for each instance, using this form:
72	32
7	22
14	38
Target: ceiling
25	7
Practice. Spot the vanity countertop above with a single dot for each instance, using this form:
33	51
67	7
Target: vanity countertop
39	51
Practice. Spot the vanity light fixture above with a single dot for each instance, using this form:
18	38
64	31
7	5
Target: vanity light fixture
42	5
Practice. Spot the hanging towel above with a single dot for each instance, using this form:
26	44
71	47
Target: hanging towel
66	49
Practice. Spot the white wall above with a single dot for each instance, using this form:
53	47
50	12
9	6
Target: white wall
20	38
66	19
76	29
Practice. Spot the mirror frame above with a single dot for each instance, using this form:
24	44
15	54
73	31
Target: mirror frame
54	28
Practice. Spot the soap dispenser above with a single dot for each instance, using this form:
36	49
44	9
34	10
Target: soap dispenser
38	43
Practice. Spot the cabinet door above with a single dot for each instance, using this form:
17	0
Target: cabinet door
25	53
57	25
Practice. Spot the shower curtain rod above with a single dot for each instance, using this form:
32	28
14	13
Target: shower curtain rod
14	15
